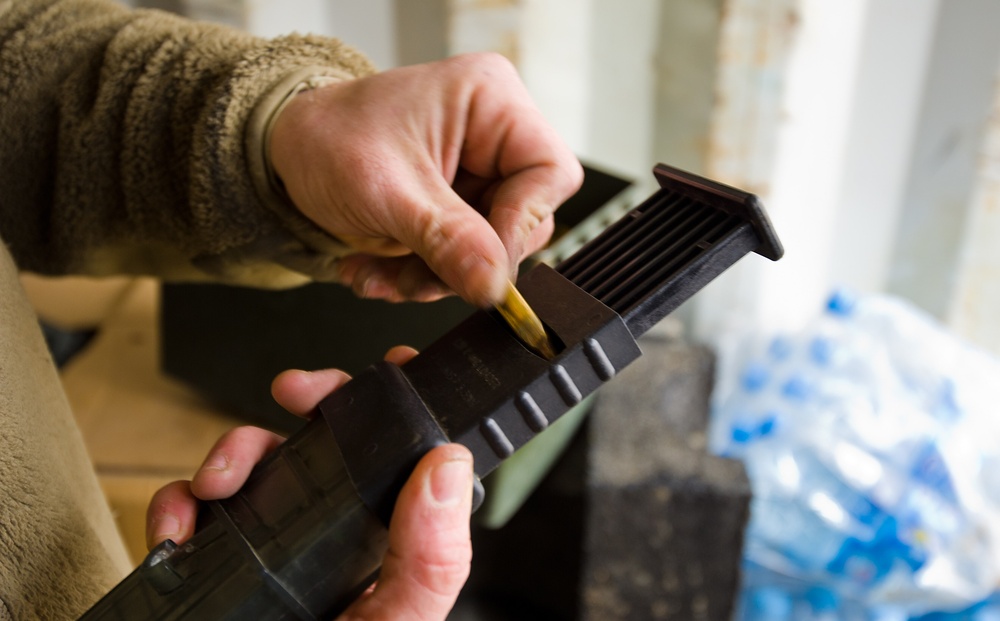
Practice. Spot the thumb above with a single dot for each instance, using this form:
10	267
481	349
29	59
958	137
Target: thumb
429	543
457	243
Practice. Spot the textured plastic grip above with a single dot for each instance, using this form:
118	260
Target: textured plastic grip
492	394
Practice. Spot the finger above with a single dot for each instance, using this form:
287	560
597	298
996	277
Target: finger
460	257
230	461
455	241
523	207
300	392
429	547
395	279
472	189
508	138
539	238
171	514
400	355
418	282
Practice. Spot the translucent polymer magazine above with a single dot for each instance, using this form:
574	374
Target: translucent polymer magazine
307	532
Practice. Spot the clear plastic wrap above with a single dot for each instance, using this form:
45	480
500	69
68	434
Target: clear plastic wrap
872	441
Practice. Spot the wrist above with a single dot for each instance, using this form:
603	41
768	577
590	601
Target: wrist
310	83
261	124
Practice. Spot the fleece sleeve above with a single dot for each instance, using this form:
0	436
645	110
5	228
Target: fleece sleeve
131	142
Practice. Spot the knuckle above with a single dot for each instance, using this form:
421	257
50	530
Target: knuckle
431	232
439	235
444	575
491	64
231	439
574	174
532	217
244	430
165	493
497	61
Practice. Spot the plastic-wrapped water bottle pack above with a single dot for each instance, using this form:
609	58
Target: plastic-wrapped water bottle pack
872	442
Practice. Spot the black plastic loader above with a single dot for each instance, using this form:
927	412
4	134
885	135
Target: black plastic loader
307	533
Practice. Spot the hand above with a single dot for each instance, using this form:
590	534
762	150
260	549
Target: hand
429	547
449	160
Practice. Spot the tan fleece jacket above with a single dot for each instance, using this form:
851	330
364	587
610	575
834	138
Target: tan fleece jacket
130	141
124	144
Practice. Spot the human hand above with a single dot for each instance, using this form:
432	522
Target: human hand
438	172
429	547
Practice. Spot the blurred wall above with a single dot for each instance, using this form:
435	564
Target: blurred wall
872	151
861	123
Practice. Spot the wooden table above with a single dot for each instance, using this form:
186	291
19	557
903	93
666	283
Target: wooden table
142	429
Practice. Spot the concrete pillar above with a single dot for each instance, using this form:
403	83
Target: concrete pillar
817	112
975	304
947	160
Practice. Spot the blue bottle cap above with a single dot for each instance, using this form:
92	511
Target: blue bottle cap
842	302
780	348
821	351
822	599
755	376
797	388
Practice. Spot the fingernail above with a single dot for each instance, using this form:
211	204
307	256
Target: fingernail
434	291
216	461
374	287
451	482
342	274
165	527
